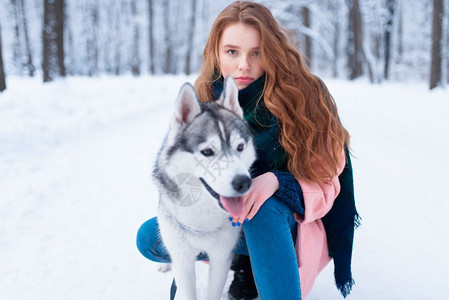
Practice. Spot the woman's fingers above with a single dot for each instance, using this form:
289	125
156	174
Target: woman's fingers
254	210
262	188
238	221
250	210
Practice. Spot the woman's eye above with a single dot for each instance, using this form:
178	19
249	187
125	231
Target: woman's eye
232	52
256	53
240	147
207	152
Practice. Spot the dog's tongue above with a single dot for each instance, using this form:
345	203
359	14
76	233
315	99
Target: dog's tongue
234	205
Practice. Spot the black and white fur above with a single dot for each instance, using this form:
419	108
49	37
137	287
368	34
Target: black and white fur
203	132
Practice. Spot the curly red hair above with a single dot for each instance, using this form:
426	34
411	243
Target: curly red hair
311	132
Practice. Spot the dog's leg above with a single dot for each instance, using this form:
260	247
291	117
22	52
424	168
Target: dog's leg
218	272
184	271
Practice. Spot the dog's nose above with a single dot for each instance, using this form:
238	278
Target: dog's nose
241	183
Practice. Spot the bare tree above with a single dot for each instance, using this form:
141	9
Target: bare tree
70	47
169	51
135	58
47	65
117	40
91	25
29	55
108	45
151	36
21	46
306	21
17	45
59	5
400	33
447	44
355	40
437	39
2	70
387	36
53	40
336	20
189	55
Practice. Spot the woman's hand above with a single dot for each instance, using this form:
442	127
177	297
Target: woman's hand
262	188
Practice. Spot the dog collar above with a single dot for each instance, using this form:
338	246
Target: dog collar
184	227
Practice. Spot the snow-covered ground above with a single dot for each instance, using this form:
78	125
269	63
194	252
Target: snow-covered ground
75	163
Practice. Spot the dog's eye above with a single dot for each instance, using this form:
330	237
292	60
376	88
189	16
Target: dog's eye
207	152
240	147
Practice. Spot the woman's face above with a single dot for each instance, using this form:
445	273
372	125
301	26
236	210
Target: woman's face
239	54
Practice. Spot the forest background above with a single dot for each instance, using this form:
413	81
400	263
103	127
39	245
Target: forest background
381	40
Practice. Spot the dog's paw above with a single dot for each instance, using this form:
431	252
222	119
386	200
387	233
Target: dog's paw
165	268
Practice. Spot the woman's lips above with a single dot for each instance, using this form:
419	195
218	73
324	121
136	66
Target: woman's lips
244	79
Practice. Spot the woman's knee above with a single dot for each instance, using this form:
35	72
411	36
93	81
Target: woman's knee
272	213
271	208
149	243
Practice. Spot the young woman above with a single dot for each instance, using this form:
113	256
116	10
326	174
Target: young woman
300	211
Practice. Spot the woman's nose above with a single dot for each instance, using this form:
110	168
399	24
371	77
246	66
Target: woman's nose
244	63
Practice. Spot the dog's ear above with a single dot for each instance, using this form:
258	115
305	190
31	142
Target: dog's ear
229	97
187	106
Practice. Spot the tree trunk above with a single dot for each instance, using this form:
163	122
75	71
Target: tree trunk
400	34
336	44
108	44
355	40
2	70
151	36
91	32
117	21
71	66
135	59
370	61
29	54
46	43
53	40
189	55
305	12
437	38
337	20
447	47
60	35
17	45
387	37
168	44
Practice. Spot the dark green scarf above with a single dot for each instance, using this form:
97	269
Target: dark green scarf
342	219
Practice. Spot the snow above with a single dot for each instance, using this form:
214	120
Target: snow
76	157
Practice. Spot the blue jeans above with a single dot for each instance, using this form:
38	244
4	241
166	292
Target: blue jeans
269	241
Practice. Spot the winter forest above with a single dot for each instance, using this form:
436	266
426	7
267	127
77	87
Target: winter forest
381	40
87	92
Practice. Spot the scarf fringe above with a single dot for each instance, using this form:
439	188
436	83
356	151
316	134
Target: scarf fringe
357	221
344	283
345	289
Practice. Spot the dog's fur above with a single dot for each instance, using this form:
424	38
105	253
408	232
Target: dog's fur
202	171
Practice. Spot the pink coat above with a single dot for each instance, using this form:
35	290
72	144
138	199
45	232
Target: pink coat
311	241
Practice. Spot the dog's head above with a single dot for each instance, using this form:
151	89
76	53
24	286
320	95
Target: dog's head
212	142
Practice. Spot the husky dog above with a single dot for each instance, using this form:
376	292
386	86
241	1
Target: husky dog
202	172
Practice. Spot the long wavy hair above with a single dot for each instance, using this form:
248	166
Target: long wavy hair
311	132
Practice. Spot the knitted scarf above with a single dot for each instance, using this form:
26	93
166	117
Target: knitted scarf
342	219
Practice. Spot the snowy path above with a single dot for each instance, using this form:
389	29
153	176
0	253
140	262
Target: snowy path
76	157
